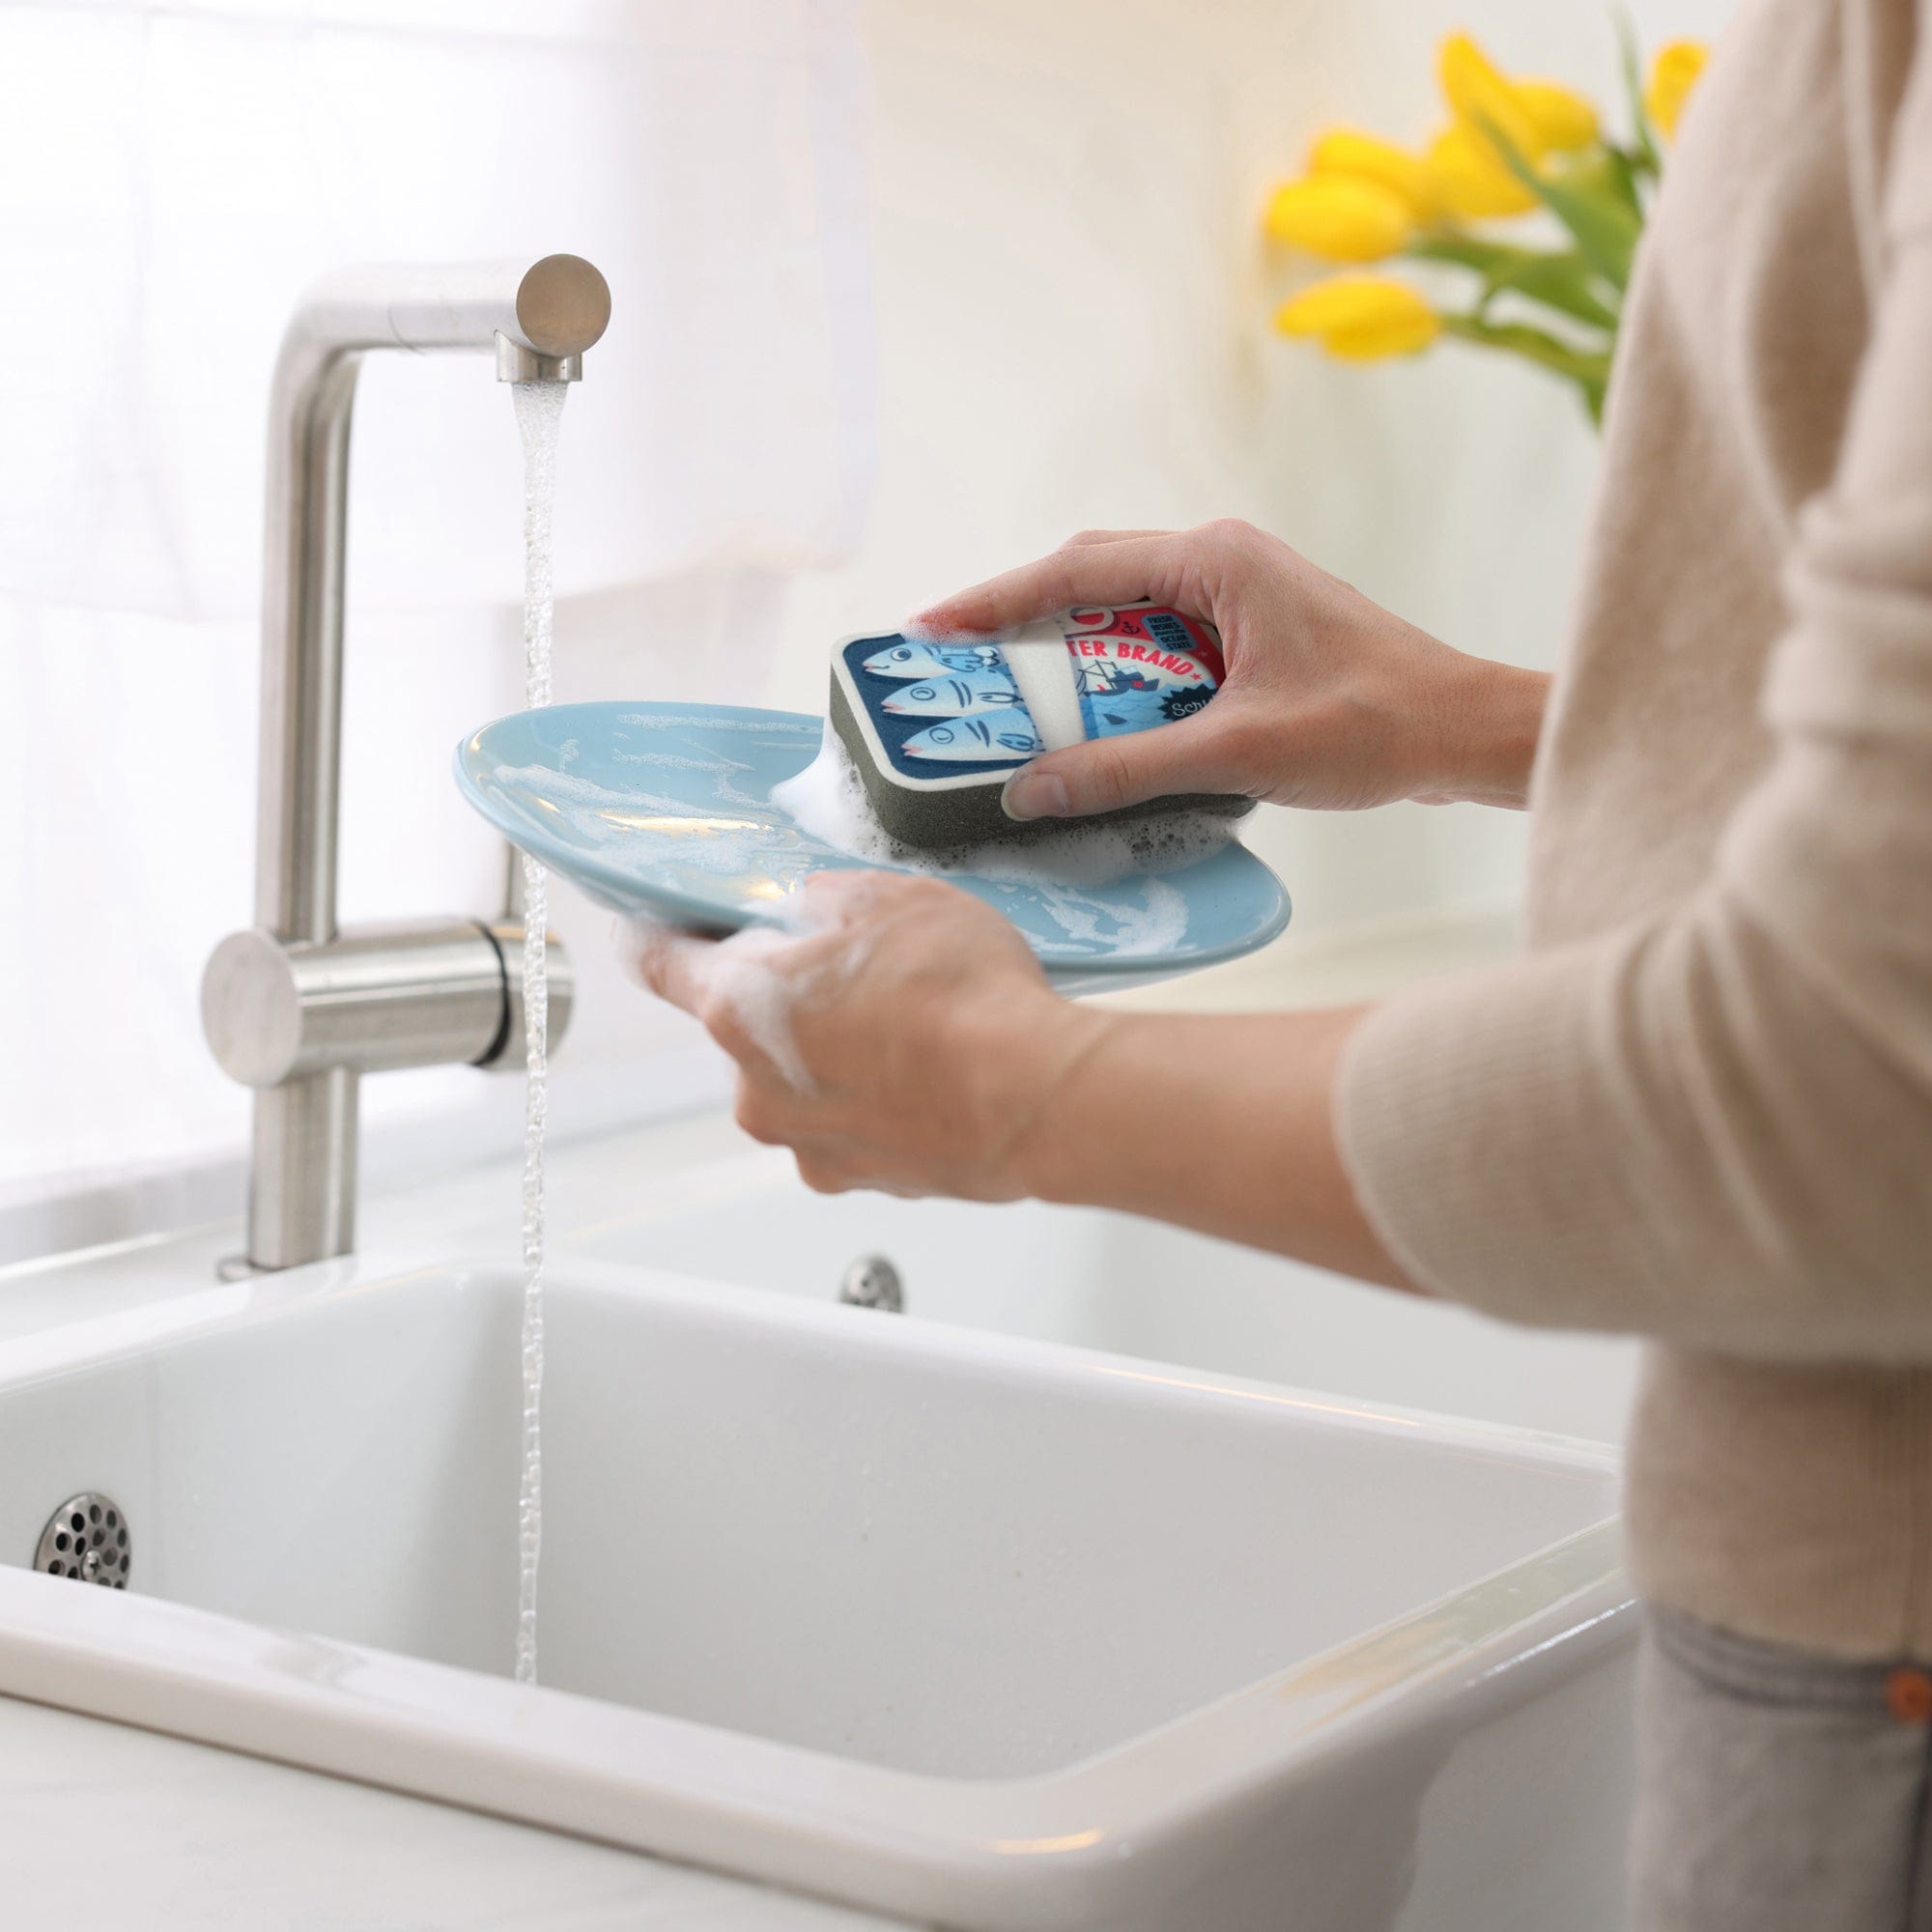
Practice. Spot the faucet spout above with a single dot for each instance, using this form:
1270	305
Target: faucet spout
546	313
537	319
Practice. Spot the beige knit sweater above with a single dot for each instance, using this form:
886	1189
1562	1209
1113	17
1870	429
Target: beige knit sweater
1701	1107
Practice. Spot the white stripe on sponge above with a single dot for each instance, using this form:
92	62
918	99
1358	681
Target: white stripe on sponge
1042	667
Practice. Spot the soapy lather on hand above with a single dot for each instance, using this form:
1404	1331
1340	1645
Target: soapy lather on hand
901	1037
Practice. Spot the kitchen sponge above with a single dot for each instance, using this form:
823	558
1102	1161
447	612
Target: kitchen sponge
935	728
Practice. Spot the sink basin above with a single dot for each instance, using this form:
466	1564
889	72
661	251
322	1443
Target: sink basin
977	1631
1098	1280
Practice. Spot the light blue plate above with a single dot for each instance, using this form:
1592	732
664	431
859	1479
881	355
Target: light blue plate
667	810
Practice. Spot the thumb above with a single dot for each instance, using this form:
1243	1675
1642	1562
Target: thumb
1105	774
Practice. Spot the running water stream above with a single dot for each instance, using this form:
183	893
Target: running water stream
539	412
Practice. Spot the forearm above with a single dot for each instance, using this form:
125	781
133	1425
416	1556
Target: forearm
1485	724
1217	1122
1713	1125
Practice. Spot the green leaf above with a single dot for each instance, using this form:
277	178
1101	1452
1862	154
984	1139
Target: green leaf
1644	156
1588	370
1610	171
1561	280
1605	230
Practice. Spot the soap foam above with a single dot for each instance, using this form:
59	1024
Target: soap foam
914	631
1157	924
827	801
742	974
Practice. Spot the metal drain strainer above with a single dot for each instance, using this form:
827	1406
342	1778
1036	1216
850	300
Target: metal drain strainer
87	1539
872	1282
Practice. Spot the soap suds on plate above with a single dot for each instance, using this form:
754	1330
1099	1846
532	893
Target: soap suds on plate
827	801
1125	931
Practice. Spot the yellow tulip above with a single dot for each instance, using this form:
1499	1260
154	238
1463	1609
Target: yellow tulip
1471	178
1361	318
1564	120
1340	217
1345	151
1477	93
1673	74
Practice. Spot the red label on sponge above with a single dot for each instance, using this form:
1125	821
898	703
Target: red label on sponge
1141	667
1164	643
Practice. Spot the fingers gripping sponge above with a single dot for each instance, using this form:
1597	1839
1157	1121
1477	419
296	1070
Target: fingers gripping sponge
936	729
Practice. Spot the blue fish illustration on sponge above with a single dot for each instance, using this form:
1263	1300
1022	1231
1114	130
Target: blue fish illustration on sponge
956	694
1010	739
936	728
900	659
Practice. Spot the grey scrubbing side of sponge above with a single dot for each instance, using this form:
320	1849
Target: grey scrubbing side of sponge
943	817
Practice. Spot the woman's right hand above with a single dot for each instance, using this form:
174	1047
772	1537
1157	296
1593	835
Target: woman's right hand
1330	701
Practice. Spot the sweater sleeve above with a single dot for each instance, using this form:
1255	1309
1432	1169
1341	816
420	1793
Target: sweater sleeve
1715	1126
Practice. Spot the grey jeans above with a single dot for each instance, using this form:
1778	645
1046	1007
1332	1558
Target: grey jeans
1778	1791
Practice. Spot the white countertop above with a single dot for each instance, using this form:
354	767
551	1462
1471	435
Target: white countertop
107	1824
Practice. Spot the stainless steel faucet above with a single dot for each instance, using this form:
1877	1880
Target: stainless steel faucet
297	1008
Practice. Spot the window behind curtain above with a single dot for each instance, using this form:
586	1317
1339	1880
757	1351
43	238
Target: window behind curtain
169	179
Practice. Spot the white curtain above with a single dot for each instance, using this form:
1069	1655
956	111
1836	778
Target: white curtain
170	177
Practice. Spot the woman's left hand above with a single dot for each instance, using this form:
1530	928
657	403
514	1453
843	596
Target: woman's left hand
903	1037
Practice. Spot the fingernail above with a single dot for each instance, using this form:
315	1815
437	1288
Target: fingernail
1035	795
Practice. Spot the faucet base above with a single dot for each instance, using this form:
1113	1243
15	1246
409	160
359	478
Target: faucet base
301	1188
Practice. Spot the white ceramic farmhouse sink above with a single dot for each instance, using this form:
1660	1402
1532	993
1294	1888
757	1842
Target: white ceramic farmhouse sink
979	1632
1099	1280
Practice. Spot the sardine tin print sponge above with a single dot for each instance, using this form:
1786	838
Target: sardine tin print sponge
936	729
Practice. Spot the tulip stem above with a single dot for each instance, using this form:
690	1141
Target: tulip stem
1561	280
1588	368
1642	155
